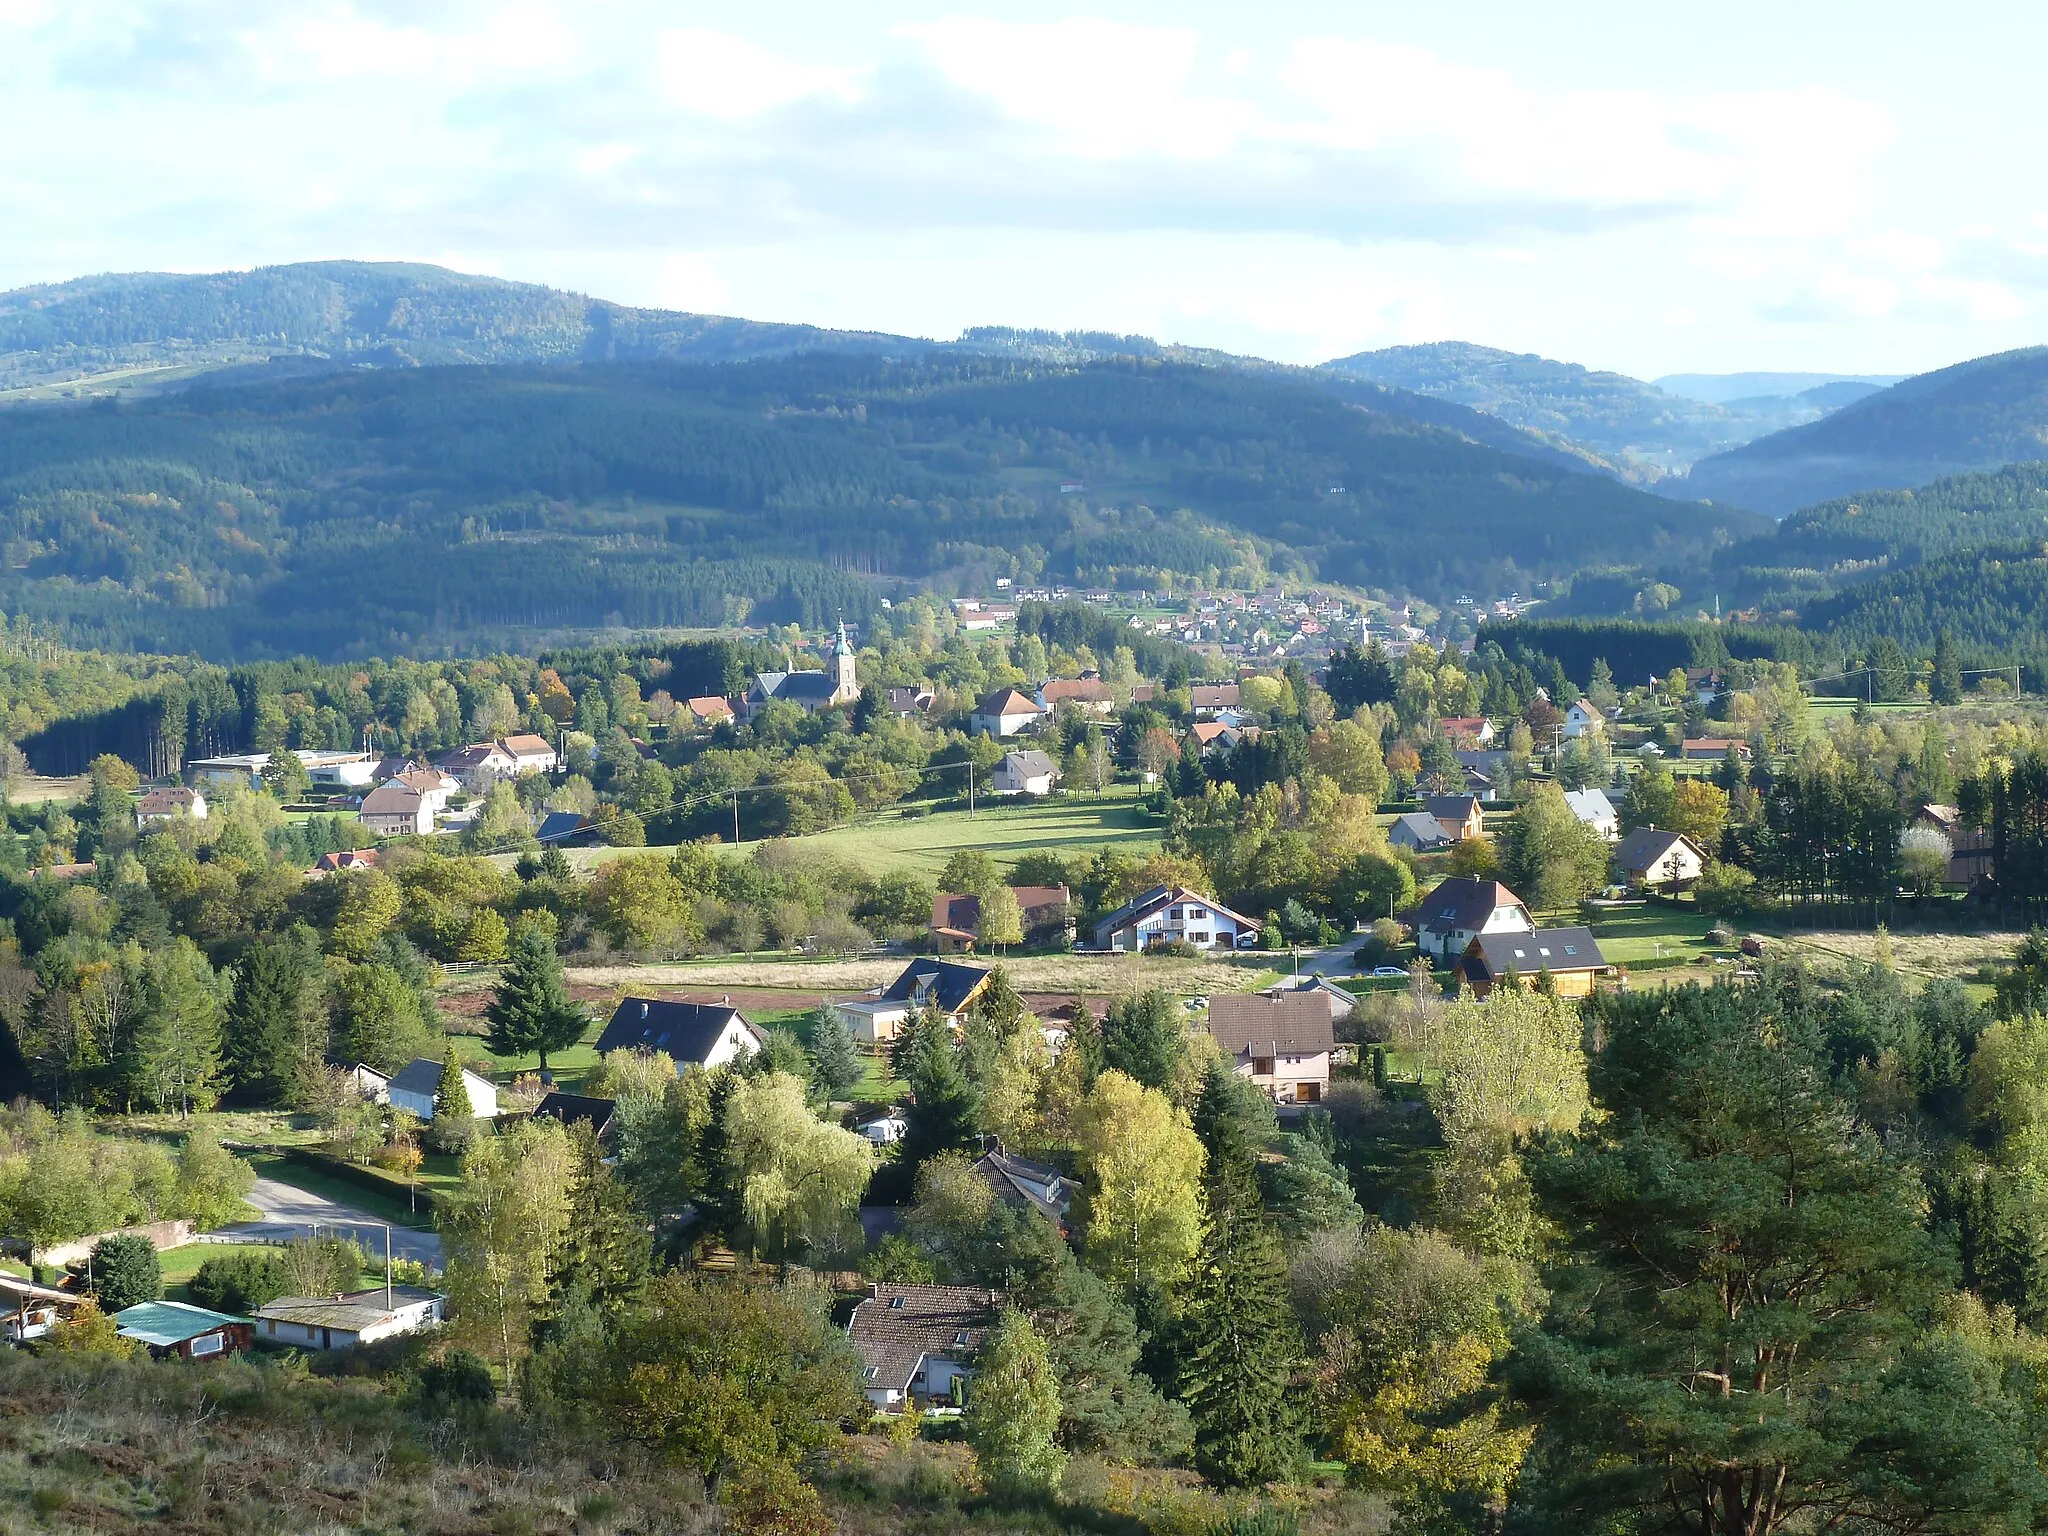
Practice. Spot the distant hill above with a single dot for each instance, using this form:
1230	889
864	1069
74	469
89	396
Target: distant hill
1974	416
1994	601
1730	388
388	313
144	333
453	507
1639	429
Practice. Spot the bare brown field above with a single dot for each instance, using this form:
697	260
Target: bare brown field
1082	975
1927	955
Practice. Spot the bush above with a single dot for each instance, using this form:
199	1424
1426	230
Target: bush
126	1271
456	1379
1725	890
240	1282
1174	949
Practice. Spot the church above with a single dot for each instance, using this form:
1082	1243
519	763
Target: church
808	691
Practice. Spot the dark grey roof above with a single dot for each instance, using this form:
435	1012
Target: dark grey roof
796	686
560	826
1020	1182
1462	903
900	1325
947	983
1491	956
686	1031
1029	764
1647	847
420	1075
1423	828
576	1108
1296	1023
1486	760
1450	807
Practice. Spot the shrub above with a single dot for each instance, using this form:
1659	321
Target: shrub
125	1271
1725	890
1173	949
457	1378
240	1281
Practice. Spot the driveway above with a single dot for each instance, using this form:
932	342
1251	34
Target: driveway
290	1212
1338	961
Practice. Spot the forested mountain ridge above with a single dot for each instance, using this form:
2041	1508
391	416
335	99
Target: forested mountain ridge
399	510
145	332
1975	416
373	312
1644	432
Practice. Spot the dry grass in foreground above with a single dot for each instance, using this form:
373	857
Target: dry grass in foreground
1930	956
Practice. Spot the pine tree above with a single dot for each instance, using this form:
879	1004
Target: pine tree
1141	1037
1946	686
945	1105
454	1124
532	1009
1238	1339
605	1252
835	1064
269	1034
718	1195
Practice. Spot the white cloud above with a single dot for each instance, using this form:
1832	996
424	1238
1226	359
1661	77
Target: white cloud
716	74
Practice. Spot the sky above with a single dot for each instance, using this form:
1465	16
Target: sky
1654	189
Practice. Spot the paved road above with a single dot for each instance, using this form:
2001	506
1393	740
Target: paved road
292	1212
1340	961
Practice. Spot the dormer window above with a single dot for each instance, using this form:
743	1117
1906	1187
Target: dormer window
896	1303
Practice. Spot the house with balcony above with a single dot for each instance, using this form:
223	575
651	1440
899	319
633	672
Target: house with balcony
1173	914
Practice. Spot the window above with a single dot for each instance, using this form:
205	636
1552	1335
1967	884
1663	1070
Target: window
1571	949
212	1344
1198	938
960	1339
1198	911
871	1372
896	1303
1262	1066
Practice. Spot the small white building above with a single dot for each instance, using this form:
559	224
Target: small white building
1024	773
161	805
1597	811
886	1130
1582	719
343	1322
1004	712
418	1086
1650	857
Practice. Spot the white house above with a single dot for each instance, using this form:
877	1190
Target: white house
1173	914
1004	712
418	1085
161	805
917	1342
1650	857
708	1035
1454	914
1594	808
395	810
340	770
1582	719
343	1322
479	766
1281	1041
885	1130
927	982
529	754
1024	773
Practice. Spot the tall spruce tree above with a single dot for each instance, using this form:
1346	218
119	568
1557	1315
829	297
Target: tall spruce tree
532	1009
269	1034
605	1251
718	1194
1141	1037
1946	686
1239	1345
835	1063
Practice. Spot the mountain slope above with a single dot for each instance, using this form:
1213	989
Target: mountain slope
375	312
1974	416
427	508
1640	429
1835	389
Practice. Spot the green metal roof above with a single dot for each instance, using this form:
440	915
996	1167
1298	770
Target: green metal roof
164	1323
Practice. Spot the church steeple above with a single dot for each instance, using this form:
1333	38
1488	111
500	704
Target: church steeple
845	684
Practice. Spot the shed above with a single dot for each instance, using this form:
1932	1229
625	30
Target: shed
176	1328
351	1318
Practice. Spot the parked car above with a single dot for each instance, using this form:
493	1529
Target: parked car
1388	970
1196	1004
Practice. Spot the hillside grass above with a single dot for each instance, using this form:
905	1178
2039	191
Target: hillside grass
1006	830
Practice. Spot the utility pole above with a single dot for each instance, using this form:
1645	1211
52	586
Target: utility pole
387	1266
735	818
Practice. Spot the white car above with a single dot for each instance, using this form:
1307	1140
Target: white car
1196	1004
1388	970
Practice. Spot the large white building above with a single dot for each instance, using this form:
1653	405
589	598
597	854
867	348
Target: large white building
1172	914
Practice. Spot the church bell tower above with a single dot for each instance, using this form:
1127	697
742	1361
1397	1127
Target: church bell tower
846	687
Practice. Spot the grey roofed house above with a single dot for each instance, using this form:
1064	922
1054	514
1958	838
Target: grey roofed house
1529	954
688	1032
564	828
1145	903
1026	1185
577	1109
899	1331
947	983
1027	764
1645	850
1418	830
1459	808
1292	1023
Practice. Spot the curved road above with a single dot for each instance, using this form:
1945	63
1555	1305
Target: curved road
290	1212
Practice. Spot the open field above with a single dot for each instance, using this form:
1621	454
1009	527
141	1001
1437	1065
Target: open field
35	789
1928	956
1084	975
1006	831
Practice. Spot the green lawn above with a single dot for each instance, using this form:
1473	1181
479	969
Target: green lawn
889	840
572	1066
1652	937
181	1264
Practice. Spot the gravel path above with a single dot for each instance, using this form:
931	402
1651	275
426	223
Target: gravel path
290	1212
